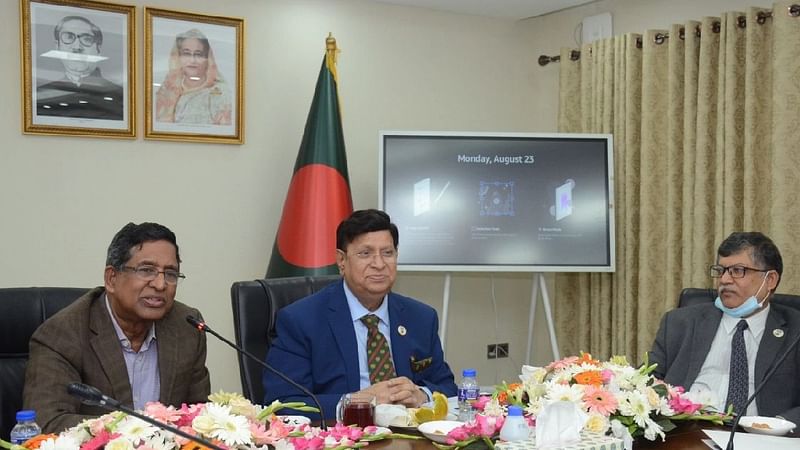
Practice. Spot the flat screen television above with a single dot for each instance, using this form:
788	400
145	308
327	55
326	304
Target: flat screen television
501	202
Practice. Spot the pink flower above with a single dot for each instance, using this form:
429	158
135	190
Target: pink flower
188	413
682	405
461	433
481	402
607	375
599	400
303	443
162	413
340	431
99	440
488	426
561	363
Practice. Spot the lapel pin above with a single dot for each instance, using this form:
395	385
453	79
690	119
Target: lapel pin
401	330
777	332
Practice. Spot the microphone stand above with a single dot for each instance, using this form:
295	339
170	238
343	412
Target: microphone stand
203	327
758	389
77	389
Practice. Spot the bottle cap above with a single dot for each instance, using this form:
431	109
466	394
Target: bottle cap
468	372
26	415
514	410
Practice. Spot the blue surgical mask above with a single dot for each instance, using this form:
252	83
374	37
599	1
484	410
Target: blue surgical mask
748	307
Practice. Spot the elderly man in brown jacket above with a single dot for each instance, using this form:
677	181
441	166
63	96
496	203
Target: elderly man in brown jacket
129	339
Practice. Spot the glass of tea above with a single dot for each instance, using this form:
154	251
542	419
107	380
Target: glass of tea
356	408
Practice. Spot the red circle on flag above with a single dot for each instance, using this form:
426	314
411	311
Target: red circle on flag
318	200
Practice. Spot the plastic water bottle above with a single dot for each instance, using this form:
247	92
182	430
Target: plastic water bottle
25	428
467	393
515	428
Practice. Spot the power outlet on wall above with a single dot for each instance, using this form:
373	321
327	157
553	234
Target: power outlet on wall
494	351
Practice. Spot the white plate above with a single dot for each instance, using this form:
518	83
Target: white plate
769	425
438	429
295	421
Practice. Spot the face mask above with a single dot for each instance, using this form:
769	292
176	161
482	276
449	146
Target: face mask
748	307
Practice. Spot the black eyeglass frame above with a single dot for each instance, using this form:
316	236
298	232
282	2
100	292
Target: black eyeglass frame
718	271
149	273
86	39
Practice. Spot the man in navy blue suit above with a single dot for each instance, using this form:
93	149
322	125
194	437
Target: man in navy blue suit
322	341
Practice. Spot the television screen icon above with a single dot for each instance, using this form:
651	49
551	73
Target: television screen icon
422	196
564	200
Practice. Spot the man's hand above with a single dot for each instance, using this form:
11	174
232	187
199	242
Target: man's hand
398	390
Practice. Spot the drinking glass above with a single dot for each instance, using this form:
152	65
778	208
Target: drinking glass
356	408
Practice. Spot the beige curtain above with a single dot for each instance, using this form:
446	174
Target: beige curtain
705	118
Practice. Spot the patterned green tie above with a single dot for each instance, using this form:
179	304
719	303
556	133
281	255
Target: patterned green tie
379	358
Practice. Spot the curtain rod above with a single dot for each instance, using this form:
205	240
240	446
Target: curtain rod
659	38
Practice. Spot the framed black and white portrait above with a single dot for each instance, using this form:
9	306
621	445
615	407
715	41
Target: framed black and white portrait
193	77
78	61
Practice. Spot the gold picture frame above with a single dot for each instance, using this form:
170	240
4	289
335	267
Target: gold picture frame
194	82
78	66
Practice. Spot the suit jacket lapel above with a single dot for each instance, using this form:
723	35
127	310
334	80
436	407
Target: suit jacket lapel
704	334
167	343
770	344
341	324
401	351
107	348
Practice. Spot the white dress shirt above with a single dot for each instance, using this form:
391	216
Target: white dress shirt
714	376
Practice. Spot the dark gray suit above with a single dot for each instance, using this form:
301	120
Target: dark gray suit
684	339
79	344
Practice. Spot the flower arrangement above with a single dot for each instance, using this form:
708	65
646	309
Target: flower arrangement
617	398
228	421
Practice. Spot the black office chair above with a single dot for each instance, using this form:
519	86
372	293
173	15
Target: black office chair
255	307
22	310
694	296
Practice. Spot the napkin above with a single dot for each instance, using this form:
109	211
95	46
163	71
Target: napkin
387	415
559	425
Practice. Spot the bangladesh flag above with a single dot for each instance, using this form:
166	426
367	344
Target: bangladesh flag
319	193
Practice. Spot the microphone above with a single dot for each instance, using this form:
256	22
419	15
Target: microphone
758	389
203	327
92	396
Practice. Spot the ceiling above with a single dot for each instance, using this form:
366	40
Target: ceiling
506	9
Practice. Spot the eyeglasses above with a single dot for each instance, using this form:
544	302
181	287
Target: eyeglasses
68	37
386	255
196	55
148	273
717	271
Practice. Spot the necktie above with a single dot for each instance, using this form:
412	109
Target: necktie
738	385
379	358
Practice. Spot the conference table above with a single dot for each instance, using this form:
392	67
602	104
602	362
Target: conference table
687	436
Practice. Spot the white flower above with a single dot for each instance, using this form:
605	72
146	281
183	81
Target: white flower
596	423
162	440
136	430
565	393
620	431
229	428
119	443
203	424
493	408
534	407
634	404
532	374
652	429
63	442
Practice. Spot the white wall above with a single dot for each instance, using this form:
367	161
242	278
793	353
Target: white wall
63	198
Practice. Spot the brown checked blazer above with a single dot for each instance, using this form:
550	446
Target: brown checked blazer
79	344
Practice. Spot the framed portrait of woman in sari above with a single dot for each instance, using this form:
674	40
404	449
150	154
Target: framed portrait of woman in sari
194	82
78	61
